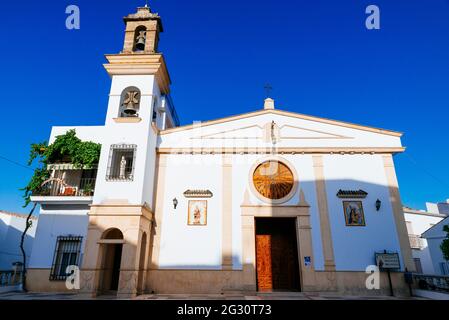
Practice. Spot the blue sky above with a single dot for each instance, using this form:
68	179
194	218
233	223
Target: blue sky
318	56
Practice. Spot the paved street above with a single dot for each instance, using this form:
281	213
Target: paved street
234	296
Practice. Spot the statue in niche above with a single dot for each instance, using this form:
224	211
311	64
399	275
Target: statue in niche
122	174
271	133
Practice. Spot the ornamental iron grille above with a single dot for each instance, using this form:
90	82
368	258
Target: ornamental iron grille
67	253
121	164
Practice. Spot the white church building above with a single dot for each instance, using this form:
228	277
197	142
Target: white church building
262	201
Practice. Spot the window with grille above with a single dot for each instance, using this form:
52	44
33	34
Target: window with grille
121	162
67	253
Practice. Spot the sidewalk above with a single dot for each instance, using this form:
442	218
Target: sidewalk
234	296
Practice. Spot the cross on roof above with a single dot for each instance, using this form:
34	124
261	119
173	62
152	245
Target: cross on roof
268	89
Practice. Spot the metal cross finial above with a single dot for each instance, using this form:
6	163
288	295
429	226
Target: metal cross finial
268	89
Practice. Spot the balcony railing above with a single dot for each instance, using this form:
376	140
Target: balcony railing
68	183
416	242
10	278
432	282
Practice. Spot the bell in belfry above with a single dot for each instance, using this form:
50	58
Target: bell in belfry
131	103
140	41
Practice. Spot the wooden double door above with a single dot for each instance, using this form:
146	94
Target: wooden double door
277	254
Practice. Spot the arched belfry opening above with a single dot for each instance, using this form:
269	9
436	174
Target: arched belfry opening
140	38
130	102
111	261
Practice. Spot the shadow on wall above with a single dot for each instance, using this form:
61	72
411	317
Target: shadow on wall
356	225
10	243
358	230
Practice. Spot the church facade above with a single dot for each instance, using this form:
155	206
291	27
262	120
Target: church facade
262	201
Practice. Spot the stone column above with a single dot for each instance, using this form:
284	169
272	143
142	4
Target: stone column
326	234
398	212
226	262
304	235
129	267
249	253
90	270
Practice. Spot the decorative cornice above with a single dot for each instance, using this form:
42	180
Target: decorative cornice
288	114
352	194
281	151
198	194
127	120
140	64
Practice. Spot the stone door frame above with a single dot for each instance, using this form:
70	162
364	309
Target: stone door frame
301	212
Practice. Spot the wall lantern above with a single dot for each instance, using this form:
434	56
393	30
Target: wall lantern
175	203
378	203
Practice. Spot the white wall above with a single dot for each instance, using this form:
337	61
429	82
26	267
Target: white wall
85	133
141	134
11	228
434	237
355	246
183	246
54	223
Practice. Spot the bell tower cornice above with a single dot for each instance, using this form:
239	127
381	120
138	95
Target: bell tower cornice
140	64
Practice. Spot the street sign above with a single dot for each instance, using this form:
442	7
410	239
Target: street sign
388	261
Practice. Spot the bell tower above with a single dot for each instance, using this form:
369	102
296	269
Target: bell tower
142	31
121	214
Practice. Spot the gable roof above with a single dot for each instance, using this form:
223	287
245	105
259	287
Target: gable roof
433	232
288	114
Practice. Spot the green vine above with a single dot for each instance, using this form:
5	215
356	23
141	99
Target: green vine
66	148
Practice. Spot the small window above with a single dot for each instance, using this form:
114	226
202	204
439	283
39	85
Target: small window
154	114
67	253
129	102
418	265
121	162
444	268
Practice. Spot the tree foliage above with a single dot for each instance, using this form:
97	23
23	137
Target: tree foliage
445	244
66	148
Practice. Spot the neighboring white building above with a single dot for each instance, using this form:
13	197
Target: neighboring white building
11	229
197	208
418	221
439	208
434	237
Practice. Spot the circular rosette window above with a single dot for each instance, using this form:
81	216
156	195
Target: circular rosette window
273	180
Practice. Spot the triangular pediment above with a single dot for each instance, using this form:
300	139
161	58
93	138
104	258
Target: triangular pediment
257	132
285	129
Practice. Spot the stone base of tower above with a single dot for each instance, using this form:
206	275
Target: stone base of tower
117	250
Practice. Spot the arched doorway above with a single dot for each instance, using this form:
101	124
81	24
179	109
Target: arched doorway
142	255
111	261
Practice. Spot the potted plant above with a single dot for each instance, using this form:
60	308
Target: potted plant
88	190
